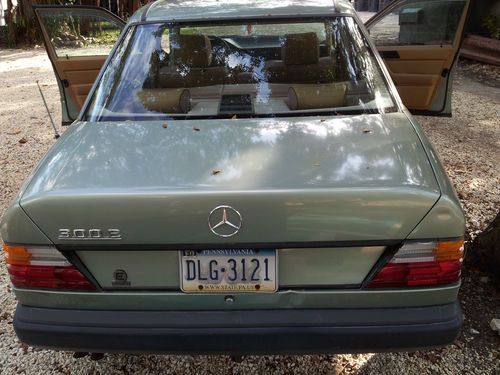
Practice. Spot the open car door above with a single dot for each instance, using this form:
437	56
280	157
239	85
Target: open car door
78	40
419	41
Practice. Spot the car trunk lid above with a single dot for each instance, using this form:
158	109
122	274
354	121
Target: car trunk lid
304	180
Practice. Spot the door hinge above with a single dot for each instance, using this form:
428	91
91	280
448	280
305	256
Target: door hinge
445	72
65	83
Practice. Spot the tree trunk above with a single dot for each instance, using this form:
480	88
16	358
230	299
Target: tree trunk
486	248
25	16
11	29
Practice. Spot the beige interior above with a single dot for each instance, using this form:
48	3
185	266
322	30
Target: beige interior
166	100
80	73
187	83
300	62
300	80
194	50
300	49
316	96
205	100
192	55
417	72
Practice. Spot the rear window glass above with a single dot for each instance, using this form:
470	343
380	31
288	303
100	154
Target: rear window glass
245	69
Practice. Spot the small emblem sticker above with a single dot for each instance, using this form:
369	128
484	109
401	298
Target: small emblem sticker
120	278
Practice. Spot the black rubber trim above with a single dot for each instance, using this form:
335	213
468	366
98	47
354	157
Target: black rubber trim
380	263
239	332
424	112
254	19
103	245
73	258
281	288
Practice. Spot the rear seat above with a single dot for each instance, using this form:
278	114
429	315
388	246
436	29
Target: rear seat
192	56
300	62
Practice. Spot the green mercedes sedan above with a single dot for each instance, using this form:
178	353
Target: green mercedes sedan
242	177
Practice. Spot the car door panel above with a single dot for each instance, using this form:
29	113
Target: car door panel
78	40
78	76
418	73
419	42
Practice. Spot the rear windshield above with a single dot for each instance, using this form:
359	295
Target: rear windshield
244	69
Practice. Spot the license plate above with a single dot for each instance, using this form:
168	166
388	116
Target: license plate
228	270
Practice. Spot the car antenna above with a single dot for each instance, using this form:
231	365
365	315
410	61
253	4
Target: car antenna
57	135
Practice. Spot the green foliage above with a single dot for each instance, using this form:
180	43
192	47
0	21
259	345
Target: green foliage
107	37
492	24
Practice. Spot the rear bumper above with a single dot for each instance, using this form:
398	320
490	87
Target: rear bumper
239	332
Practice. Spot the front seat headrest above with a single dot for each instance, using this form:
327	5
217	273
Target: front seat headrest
192	50
300	49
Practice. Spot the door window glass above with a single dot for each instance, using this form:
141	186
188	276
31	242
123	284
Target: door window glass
80	32
419	23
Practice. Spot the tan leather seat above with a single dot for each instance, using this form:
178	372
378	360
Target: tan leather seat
191	56
307	96
174	100
300	62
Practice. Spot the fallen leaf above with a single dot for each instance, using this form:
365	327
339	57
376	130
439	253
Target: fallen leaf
215	172
196	129
322	120
23	140
15	132
165	125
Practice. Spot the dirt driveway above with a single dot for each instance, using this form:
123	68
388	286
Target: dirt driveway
469	144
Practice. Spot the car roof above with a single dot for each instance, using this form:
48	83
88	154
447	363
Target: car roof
195	10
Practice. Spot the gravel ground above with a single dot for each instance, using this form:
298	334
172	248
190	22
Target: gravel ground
468	144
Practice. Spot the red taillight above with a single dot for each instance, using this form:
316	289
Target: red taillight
422	264
42	267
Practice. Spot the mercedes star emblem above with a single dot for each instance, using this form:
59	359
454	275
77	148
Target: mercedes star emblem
224	221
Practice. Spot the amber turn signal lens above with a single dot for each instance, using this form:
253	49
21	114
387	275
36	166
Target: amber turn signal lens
449	250
16	255
427	263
